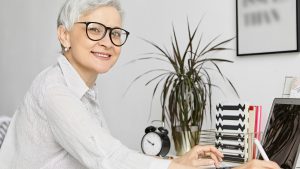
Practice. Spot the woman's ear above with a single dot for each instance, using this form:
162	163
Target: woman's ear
63	36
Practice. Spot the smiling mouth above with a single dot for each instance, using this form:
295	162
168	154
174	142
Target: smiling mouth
101	55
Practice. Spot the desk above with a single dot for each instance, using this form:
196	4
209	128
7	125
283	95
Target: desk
229	164
224	165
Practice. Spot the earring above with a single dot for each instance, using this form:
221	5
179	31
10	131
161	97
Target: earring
66	49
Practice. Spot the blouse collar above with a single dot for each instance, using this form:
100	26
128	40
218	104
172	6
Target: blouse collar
73	79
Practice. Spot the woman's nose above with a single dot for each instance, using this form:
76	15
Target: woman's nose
106	41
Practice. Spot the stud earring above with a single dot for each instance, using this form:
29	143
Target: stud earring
66	49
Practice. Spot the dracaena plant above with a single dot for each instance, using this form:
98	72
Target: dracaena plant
187	87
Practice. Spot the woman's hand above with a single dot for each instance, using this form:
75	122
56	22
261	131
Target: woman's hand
198	156
259	164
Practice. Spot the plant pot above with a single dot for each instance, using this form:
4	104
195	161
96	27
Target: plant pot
185	140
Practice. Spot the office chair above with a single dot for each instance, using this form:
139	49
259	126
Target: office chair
4	123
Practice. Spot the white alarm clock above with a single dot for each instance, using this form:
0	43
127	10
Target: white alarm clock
155	142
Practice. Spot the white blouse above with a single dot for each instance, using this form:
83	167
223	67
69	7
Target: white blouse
59	125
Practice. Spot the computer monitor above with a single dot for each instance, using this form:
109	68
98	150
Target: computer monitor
282	133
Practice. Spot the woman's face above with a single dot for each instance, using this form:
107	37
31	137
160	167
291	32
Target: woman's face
93	57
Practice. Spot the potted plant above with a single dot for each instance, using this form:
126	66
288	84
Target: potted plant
187	86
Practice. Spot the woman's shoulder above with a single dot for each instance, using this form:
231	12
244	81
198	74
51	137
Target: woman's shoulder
51	77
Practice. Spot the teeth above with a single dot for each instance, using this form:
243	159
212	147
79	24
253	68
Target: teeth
101	55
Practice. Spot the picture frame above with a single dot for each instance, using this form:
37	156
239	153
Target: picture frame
267	26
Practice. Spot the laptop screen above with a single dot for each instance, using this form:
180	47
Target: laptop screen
282	133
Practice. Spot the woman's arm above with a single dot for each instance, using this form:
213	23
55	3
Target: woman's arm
79	133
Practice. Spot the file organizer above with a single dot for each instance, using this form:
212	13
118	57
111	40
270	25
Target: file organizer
232	135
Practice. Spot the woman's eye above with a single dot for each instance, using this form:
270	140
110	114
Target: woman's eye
94	30
116	34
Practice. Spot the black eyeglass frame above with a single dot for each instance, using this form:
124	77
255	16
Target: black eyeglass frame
106	28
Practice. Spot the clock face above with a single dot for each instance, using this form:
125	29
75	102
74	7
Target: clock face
151	144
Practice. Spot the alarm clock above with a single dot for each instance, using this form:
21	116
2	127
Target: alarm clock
156	142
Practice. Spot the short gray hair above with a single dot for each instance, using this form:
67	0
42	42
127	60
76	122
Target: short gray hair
73	9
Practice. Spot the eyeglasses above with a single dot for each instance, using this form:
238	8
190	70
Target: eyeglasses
96	31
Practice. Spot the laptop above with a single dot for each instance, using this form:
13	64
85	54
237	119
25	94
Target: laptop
281	137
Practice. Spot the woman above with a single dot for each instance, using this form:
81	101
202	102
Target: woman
59	125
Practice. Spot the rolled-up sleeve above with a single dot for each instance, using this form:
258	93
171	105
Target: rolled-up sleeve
81	135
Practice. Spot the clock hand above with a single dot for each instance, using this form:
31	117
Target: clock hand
150	142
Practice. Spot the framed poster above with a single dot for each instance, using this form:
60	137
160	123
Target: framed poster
267	26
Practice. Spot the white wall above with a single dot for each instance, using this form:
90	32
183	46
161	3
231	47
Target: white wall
28	44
